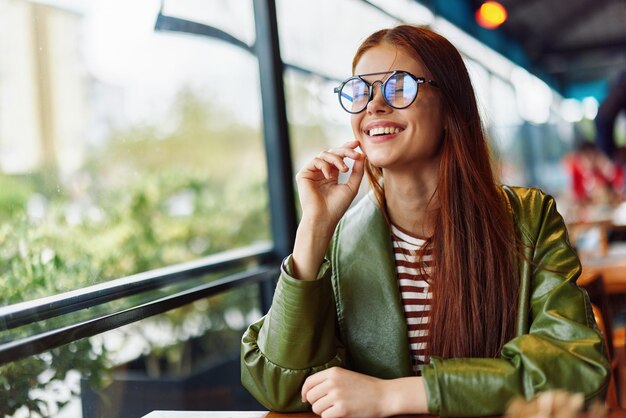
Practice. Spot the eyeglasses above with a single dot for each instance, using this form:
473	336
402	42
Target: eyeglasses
399	90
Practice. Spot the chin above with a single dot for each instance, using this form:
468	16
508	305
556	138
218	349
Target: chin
379	159
380	163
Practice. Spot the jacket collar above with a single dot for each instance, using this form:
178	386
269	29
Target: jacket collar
370	309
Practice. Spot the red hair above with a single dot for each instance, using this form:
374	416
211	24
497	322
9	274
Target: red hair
475	278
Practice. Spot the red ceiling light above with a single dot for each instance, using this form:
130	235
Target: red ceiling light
491	15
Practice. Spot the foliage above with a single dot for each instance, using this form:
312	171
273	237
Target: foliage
149	199
14	196
30	269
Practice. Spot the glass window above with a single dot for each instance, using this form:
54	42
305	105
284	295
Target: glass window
122	148
184	359
504	129
321	37
480	82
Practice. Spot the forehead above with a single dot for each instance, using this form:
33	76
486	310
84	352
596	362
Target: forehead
386	57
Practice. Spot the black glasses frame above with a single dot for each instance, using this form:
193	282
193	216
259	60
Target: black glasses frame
383	85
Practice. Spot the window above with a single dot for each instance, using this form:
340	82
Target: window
125	149
310	39
122	148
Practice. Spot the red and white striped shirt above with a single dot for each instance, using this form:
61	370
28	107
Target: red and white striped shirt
414	290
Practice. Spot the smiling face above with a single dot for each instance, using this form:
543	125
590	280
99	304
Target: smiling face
398	138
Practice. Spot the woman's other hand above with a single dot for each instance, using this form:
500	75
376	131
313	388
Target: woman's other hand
338	392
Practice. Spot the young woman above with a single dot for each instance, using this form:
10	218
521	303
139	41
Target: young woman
438	292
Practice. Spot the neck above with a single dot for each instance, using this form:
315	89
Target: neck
411	201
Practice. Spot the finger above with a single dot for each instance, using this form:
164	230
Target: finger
353	143
312	381
358	168
324	167
353	154
309	172
317	392
347	150
335	157
333	412
323	406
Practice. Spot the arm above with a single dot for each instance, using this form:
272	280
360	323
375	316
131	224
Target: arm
563	348
323	201
297	337
294	340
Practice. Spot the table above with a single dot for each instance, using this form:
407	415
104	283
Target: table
239	414
595	222
265	414
612	268
222	414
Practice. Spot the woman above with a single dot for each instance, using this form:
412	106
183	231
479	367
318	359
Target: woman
441	292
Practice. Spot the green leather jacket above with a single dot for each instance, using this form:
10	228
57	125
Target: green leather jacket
352	316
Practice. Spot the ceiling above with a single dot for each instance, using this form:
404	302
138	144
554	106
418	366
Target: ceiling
573	43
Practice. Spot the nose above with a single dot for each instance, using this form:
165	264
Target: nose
378	103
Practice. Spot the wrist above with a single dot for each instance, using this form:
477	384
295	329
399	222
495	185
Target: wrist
314	233
405	395
309	249
317	223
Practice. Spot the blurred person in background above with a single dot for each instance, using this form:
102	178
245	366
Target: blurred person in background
594	178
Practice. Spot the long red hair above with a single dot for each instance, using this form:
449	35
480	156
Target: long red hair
475	278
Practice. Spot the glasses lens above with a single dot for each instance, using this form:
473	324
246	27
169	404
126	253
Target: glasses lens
400	90
354	95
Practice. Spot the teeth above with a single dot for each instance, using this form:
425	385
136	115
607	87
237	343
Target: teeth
384	131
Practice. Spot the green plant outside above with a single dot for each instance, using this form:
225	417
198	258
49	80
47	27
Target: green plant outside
145	201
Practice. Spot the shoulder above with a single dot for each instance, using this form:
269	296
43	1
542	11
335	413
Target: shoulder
524	196
531	208
363	211
362	222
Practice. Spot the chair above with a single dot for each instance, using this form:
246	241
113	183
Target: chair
602	313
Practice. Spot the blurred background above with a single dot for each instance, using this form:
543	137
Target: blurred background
140	141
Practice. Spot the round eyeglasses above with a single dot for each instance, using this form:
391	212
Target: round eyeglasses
399	90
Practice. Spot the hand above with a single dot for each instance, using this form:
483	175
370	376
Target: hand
323	201
338	392
322	198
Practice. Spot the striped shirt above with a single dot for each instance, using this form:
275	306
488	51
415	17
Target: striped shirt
414	290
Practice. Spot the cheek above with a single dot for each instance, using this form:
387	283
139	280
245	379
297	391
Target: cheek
430	122
355	121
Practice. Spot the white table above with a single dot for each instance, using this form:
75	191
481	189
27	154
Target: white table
206	414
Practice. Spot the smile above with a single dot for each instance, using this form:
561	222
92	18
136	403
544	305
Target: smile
386	130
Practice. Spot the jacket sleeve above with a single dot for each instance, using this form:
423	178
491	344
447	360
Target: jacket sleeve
296	339
562	349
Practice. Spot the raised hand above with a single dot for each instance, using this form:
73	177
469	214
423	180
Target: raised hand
323	201
322	198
